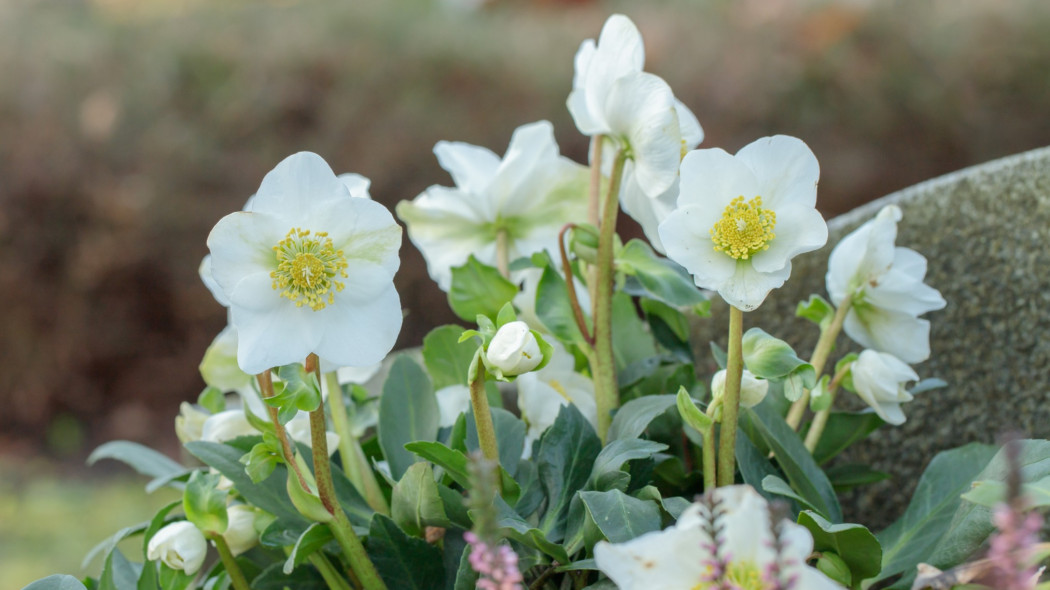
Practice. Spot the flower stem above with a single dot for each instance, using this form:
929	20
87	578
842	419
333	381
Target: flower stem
266	387
820	420
709	459
502	254
483	416
340	525
237	579
570	286
731	400
355	464
596	179
820	358
607	396
328	572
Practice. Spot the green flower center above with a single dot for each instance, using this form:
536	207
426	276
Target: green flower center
307	269
745	228
741	575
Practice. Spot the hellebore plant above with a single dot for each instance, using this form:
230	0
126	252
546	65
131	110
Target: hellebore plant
572	433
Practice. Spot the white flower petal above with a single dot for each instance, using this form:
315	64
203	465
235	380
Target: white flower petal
786	169
357	185
686	238
648	211
641	108
242	244
295	185
748	288
204	270
712	178
671	559
362	229
530	146
369	326
900	334
691	132
619	52
472	167
271	330
798	229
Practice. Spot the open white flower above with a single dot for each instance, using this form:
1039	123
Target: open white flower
879	380
527	196
740	219
636	110
180	546
686	557
226	425
752	389
308	270
886	283
541	394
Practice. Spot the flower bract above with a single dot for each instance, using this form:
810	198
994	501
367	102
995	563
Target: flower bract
308	269
739	220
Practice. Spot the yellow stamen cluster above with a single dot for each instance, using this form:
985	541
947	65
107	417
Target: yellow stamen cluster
742	575
745	228
307	267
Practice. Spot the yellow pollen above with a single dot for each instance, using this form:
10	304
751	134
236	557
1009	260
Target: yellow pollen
307	269
745	228
558	387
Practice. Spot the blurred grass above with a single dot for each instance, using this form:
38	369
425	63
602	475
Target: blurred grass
49	521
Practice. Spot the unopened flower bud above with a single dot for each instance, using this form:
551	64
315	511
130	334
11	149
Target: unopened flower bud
240	534
226	425
180	546
752	389
514	349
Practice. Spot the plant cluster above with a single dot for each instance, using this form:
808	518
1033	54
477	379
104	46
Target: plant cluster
617	465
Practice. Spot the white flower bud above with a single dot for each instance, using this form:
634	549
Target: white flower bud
225	426
240	534
179	546
879	380
514	349
752	389
189	424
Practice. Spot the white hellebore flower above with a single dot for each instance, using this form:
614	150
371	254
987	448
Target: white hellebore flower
452	401
308	269
526	198
879	379
240	533
226	425
752	389
686	557
887	289
636	110
541	394
741	219
298	428
514	349
180	546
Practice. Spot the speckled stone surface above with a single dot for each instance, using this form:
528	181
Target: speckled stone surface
985	231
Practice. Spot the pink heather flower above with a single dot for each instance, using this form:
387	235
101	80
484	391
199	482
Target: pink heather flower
1011	549
498	566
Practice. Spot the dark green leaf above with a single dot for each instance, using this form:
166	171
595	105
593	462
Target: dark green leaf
659	278
755	466
630	341
565	456
616	453
415	502
554	308
56	582
478	289
447	359
634	417
513	526
510	437
778	487
848	476
140	458
301	578
408	412
313	538
204	503
403	562
852	542
842	430
620	517
119	573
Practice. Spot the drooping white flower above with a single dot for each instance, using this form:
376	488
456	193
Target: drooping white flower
686	557
308	270
886	283
651	211
752	389
240	534
611	96
226	425
528	195
514	349
189	424
541	394
180	546
219	366
739	220
452	401
879	380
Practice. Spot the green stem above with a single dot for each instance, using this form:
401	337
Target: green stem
820	420
328	572
266	387
731	400
595	195
502	254
820	357
483	416
709	459
570	287
606	393
355	464
237	579
340	525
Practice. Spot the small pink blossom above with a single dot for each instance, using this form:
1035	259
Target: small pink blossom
498	566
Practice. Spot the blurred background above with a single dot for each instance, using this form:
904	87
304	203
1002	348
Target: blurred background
129	127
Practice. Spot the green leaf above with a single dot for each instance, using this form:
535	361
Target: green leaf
817	310
478	289
297	391
118	573
56	582
634	417
620	517
415	502
771	358
755	467
140	458
630	341
212	399
466	577
616	454
408	412
848	476
513	526
658	278
301	578
105	546
313	538
691	414
779	487
403	562
669	326
159	520
260	462
204	503
852	542
454	463
794	459
565	456
912	538
988	493
447	359
510	437
842	430
554	307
